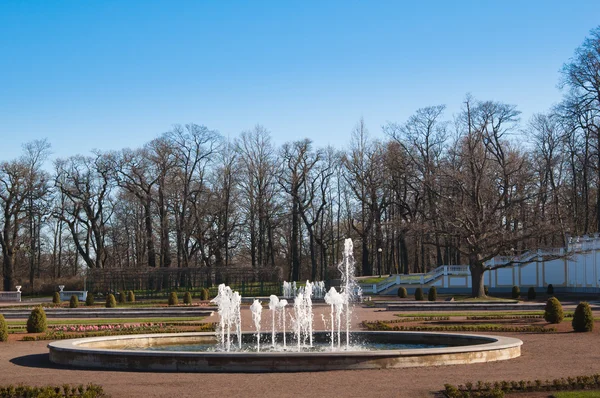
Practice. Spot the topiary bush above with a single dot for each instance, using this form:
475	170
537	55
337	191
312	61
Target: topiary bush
74	302
173	300
432	294
111	302
131	296
554	311
516	292
89	300
3	329
419	294
187	298
486	290
37	321
402	292
531	293
122	297
204	294
583	319
56	298
550	290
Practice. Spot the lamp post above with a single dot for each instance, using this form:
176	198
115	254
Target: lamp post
379	260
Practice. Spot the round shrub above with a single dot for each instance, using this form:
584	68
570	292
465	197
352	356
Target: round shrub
173	300
74	302
583	319
531	293
3	329
131	296
89	300
187	298
516	292
419	294
554	311
111	302
550	290
56	298
37	320
204	294
432	294
122	297
402	292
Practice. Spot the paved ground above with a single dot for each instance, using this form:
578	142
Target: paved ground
543	357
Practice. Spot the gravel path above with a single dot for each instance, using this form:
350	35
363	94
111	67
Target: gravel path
544	356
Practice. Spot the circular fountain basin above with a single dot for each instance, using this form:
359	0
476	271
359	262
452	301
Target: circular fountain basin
130	352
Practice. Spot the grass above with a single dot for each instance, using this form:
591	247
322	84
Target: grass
371	280
483	299
577	394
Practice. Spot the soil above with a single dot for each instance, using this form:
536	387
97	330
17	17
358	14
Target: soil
544	356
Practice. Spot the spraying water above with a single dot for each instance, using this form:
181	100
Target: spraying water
256	309
228	303
336	301
281	305
273	306
350	288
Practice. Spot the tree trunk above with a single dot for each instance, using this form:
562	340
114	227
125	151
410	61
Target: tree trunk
477	269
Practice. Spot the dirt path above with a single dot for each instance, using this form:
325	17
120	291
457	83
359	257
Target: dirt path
544	356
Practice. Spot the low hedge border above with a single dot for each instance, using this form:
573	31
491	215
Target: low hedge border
381	326
66	390
69	335
499	388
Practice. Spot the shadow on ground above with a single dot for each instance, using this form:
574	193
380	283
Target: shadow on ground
35	361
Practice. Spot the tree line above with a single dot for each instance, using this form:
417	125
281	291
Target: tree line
437	189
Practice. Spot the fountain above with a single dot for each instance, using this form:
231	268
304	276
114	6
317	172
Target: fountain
256	309
230	350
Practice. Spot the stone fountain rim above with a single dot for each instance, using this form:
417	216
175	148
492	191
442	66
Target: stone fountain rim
491	342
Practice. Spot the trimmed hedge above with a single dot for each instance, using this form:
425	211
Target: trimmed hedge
131	296
583	319
111	302
402	292
173	300
122	297
89	300
516	292
419	294
74	302
550	289
531	293
36	323
3	329
204	294
187	298
90	391
56	298
553	312
432	294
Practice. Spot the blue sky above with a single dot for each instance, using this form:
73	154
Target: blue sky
114	74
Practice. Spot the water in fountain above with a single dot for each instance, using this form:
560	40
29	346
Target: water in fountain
228	303
340	302
350	288
273	306
319	289
336	301
256	309
281	306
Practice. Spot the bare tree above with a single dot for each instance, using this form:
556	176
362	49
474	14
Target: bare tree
22	181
